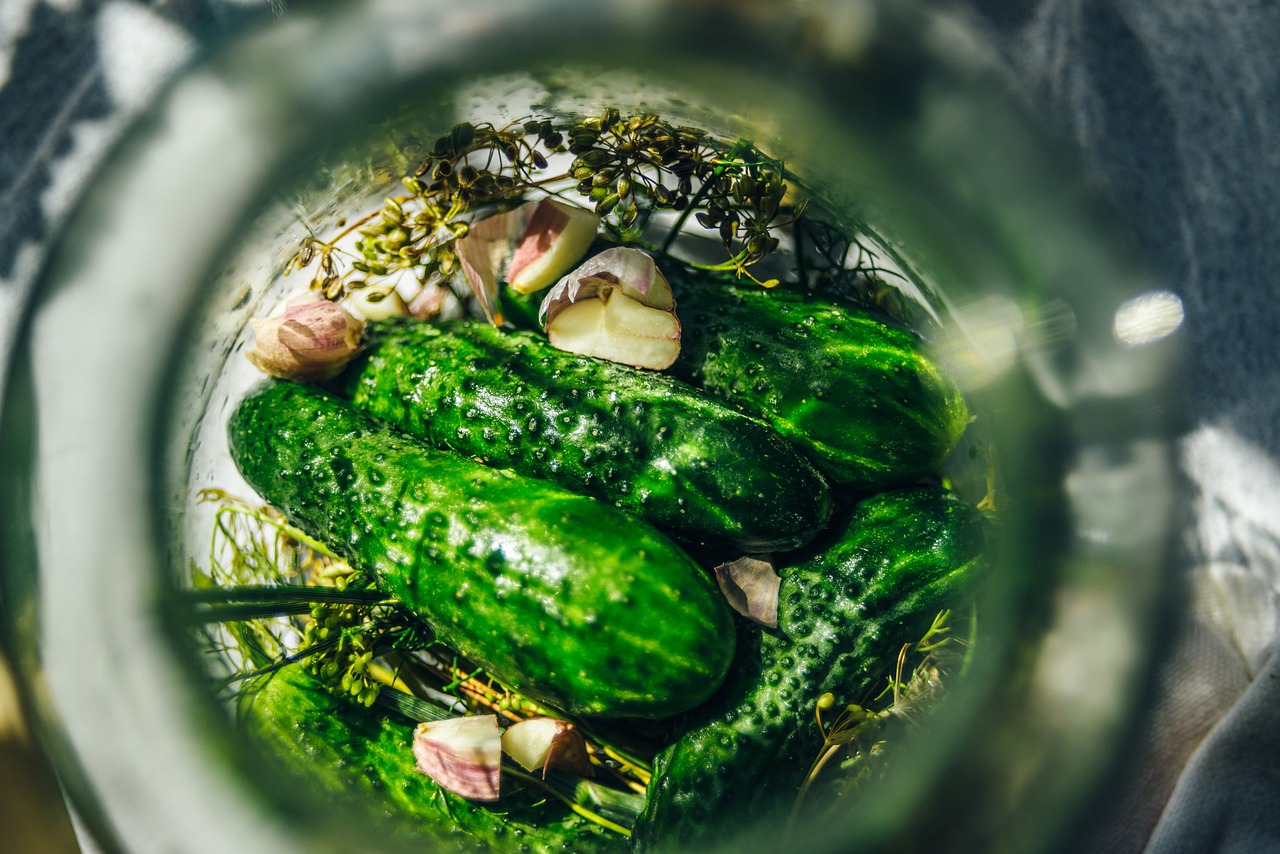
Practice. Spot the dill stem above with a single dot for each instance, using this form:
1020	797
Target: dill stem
820	763
361	221
631	766
589	815
619	774
542	182
897	675
702	193
385	677
281	526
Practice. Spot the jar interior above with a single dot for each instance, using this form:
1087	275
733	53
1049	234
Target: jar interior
1018	281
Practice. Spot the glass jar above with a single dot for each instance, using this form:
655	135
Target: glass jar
132	356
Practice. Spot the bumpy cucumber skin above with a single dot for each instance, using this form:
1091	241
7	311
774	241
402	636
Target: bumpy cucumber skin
637	439
842	615
854	390
561	597
339	750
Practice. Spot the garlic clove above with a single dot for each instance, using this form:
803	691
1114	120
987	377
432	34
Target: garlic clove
618	329
528	742
631	270
375	303
547	744
751	587
429	302
616	306
310	338
462	755
485	248
556	238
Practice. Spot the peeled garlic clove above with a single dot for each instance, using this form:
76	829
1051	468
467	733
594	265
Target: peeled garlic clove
556	238
463	755
751	587
617	306
548	744
527	742
370	304
310	338
619	329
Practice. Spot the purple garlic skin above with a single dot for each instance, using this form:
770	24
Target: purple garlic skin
484	249
309	339
462	755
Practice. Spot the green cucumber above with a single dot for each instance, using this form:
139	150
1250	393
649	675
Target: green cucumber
562	598
854	390
905	556
640	440
520	310
340	751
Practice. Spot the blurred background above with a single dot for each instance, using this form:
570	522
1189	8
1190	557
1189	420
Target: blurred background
31	811
1175	110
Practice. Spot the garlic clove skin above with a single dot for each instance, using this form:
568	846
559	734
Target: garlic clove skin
556	238
485	248
547	744
309	339
751	585
429	302
462	755
616	306
629	269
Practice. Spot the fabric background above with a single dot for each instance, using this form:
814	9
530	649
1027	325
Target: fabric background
1174	106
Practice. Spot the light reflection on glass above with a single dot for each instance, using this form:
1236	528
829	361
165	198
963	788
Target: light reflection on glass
1147	318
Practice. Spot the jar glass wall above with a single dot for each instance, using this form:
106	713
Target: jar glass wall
133	356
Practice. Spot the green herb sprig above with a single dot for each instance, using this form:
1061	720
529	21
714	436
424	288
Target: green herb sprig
835	260
273	597
862	732
625	167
